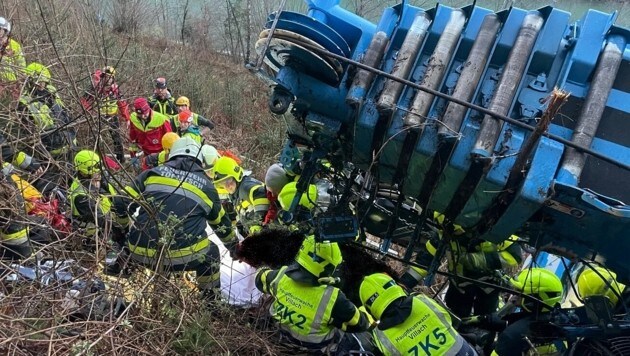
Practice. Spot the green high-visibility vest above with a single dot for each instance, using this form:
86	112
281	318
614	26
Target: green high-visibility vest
426	332
304	311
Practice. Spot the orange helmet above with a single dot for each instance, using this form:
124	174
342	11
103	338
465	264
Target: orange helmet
186	116
232	155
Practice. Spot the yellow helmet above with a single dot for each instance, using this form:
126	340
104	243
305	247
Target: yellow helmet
87	162
590	283
378	291
288	192
38	72
319	258
541	284
182	100
169	139
224	168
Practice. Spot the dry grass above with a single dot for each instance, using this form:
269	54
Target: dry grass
163	316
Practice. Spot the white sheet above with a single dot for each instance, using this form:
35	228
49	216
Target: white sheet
237	278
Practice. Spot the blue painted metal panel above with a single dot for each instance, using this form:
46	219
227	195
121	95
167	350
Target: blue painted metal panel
356	30
512	137
309	89
427	145
613	150
578	222
590	32
369	116
532	194
458	166
395	137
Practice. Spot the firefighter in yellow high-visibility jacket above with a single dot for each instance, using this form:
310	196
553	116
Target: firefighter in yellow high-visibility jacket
409	325
310	311
470	257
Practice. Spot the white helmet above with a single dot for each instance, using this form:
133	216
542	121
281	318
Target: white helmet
210	155
5	25
276	178
186	146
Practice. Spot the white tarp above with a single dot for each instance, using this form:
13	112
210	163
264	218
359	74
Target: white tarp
237	278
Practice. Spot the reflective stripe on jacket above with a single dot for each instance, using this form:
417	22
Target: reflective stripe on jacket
427	331
108	106
104	205
40	112
252	203
18	237
164	107
13	230
303	311
183	202
496	256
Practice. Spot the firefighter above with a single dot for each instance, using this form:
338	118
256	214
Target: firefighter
601	281
409	325
42	216
310	311
19	159
155	159
187	128
546	288
170	229
91	201
183	104
302	217
246	199
104	97
41	109
162	100
468	257
14	231
146	128
12	62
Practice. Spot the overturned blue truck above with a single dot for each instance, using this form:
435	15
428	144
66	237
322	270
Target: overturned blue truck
448	109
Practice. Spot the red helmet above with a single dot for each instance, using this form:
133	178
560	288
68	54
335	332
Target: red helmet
185	116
